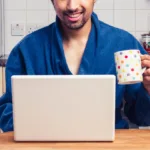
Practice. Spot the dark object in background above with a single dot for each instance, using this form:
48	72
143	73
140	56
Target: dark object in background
146	42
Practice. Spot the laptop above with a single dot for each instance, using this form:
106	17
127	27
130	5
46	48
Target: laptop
64	108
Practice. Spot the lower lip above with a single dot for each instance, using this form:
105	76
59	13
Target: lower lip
74	19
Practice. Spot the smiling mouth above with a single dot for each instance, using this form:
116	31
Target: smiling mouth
74	17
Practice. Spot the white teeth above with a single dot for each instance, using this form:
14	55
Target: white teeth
74	16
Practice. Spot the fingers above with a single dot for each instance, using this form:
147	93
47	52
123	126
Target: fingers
145	57
146	76
145	63
146	72
145	60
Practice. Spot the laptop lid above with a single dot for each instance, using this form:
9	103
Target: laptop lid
64	108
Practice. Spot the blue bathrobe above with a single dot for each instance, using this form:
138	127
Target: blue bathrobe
41	53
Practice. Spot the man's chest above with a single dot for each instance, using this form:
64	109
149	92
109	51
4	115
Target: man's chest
73	60
73	56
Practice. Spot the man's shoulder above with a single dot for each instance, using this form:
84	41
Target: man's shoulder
117	38
113	31
39	35
34	41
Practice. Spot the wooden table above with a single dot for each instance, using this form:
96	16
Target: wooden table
125	140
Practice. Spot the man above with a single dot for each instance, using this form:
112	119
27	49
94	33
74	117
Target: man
78	43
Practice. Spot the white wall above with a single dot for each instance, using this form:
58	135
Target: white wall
131	15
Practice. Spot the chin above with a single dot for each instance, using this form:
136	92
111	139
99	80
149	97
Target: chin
75	27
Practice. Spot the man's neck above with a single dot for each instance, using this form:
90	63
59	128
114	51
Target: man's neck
79	34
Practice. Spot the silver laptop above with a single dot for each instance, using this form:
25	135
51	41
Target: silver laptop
64	108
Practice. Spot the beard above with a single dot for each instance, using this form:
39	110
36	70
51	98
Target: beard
74	25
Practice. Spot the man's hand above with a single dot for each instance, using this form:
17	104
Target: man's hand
145	60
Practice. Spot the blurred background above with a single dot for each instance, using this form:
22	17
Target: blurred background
21	17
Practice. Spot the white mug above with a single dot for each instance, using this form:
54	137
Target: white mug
128	66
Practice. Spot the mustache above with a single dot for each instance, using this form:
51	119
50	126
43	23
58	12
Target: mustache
73	11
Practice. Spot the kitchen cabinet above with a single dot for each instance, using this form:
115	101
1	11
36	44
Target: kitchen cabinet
2	29
1	81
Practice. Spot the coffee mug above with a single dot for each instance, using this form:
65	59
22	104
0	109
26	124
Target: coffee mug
128	66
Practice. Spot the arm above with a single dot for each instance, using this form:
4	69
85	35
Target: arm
14	66
137	106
